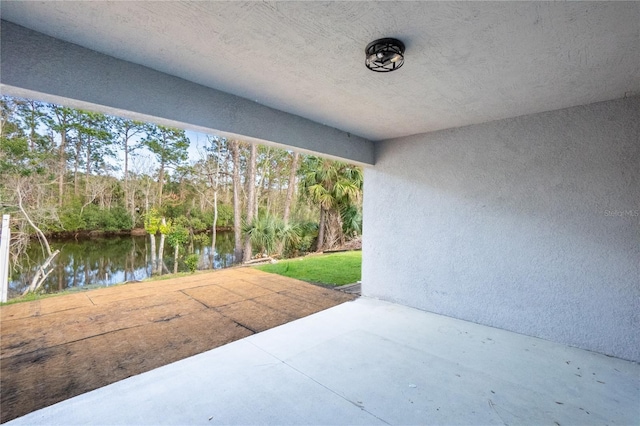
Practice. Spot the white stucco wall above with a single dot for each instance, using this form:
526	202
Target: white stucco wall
530	224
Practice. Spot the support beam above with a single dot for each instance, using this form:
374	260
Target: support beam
38	66
5	239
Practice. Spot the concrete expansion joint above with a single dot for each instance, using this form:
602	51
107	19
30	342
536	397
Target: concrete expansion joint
358	404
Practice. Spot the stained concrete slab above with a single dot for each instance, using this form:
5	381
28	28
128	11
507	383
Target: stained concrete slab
370	362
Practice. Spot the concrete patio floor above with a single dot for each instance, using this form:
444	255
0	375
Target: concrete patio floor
370	362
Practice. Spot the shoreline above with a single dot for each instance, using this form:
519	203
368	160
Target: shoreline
136	232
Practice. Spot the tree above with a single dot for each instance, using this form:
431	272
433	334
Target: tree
177	236
267	232
251	193
32	114
291	187
169	145
15	157
334	186
124	131
164	228
217	151
141	170
94	140
61	121
263	163
21	169
42	273
237	215
152	226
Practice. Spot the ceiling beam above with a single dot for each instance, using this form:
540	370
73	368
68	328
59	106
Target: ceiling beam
37	66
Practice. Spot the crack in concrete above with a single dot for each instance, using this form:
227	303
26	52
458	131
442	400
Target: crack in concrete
358	404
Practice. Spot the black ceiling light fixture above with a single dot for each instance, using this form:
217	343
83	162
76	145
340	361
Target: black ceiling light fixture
384	55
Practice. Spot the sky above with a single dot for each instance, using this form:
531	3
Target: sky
143	159
198	140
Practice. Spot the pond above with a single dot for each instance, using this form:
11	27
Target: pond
108	260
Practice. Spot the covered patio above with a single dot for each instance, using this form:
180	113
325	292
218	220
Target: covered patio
504	155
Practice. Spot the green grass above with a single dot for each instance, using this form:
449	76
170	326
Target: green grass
30	297
334	269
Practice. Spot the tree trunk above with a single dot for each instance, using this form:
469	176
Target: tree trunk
161	249
62	165
32	125
132	203
75	170
125	188
215	182
41	274
251	194
291	188
333	229
154	261
161	182
160	254
263	174
320	244
87	171
41	236
146	196
213	228
290	191
175	258
237	218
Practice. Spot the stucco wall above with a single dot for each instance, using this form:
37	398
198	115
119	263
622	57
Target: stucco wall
530	224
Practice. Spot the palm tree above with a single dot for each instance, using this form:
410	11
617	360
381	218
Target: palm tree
266	232
336	188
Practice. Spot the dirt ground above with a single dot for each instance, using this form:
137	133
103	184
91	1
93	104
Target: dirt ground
56	348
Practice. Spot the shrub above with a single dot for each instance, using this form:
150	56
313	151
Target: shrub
72	220
173	210
263	233
351	217
308	236
197	225
225	215
181	221
192	262
91	216
120	218
203	239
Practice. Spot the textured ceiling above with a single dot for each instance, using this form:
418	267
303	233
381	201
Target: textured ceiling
465	63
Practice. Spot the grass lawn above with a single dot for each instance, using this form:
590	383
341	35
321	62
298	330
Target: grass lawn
30	297
334	269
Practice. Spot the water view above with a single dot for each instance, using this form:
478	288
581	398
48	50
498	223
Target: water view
109	260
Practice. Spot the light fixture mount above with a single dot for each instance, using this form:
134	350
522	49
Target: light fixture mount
384	55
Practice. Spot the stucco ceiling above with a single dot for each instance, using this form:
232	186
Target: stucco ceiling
466	63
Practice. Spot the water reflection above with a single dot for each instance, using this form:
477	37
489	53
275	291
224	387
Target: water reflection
109	260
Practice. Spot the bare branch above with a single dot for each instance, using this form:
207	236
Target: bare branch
41	236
